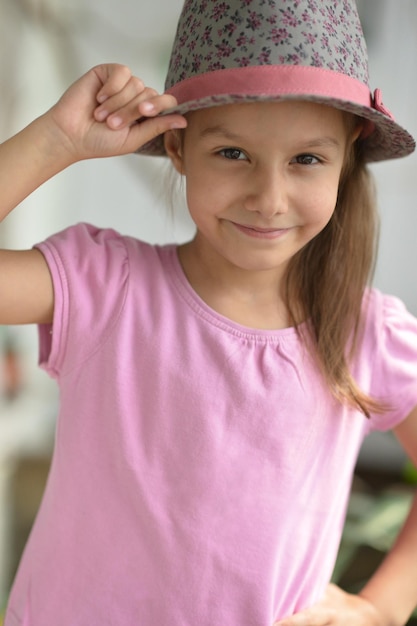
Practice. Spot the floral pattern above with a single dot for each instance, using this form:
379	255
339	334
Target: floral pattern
215	34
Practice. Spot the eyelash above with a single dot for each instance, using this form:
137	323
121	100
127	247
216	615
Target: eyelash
228	151
308	156
299	159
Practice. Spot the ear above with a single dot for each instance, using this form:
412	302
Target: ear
173	142
358	132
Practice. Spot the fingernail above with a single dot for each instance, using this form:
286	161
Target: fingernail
147	107
101	115
102	98
116	121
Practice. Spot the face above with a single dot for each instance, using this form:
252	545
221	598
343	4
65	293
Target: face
262	180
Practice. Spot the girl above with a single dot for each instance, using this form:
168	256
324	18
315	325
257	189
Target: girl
214	395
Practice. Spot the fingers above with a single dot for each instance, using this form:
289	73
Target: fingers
124	98
113	77
309	617
337	608
142	133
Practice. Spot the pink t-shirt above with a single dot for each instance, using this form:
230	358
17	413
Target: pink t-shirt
201	468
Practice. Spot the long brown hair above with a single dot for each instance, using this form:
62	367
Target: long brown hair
326	281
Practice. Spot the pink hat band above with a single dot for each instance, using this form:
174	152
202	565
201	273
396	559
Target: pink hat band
272	81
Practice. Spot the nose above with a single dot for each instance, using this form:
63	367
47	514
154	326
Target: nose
266	192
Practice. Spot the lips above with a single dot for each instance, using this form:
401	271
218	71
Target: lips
260	232
258	229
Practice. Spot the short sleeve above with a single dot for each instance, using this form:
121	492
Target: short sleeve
394	379
90	270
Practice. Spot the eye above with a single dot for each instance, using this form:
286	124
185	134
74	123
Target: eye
306	159
234	154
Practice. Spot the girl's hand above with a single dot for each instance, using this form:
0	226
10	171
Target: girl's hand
97	116
337	608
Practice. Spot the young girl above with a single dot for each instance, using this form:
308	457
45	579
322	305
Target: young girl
214	395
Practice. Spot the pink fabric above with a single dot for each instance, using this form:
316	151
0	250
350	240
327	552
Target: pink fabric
201	469
273	80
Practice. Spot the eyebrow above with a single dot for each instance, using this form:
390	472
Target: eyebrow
322	142
220	131
314	142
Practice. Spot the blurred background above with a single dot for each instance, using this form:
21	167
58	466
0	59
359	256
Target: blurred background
47	44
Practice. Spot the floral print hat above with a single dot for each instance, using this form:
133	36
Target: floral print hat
235	51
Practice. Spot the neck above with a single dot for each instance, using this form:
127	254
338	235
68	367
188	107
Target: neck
249	297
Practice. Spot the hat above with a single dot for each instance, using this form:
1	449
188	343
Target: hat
238	51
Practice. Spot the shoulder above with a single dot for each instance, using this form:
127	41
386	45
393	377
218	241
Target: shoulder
84	239
386	314
388	355
91	270
93	253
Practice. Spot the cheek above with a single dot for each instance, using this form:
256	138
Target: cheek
201	199
319	202
207	194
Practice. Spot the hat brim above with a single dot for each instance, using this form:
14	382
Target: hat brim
383	139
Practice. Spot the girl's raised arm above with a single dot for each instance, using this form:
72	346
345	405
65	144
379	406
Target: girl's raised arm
96	117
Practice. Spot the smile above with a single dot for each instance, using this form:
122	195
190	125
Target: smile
261	233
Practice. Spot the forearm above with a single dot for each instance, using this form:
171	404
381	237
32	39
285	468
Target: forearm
27	160
393	587
95	118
